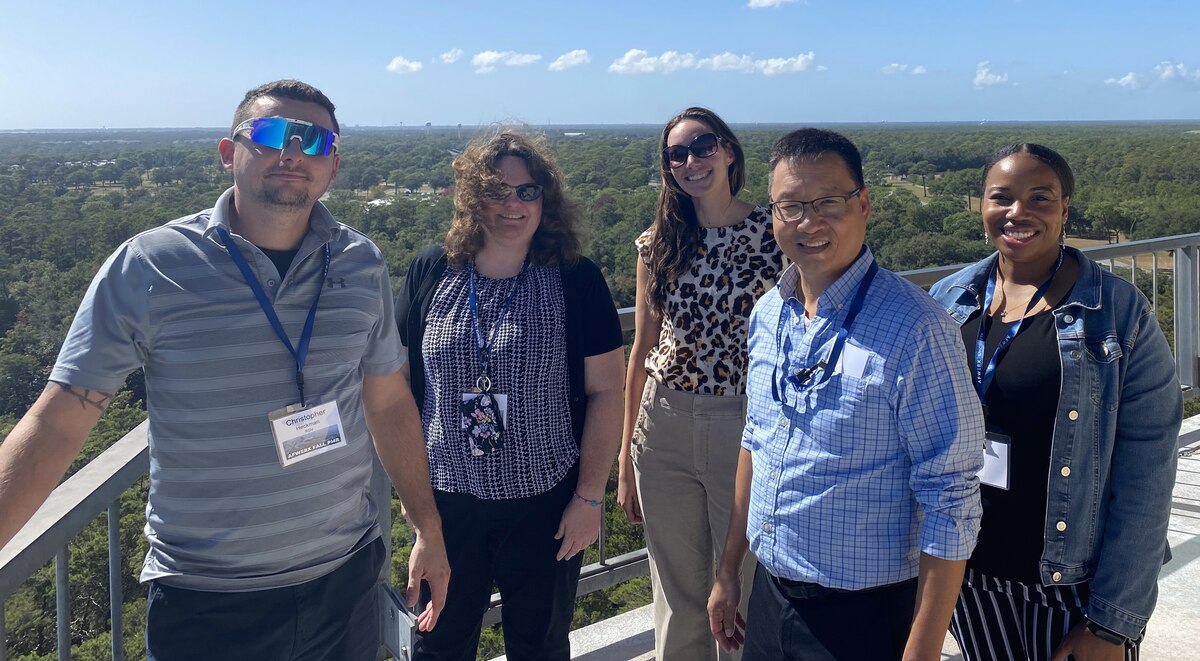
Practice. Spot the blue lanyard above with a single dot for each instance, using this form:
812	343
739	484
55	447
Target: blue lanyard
801	377
485	346
299	354
984	373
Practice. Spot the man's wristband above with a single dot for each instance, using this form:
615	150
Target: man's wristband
1106	634
593	503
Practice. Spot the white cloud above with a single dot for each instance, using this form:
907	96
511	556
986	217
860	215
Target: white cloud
1176	71
521	59
1128	81
761	4
401	65
451	56
1165	72
488	60
985	78
777	65
640	61
894	68
575	58
822	67
727	62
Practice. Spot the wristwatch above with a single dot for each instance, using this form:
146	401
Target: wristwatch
1106	634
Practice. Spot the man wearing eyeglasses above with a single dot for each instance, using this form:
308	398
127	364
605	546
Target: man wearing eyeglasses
856	482
266	332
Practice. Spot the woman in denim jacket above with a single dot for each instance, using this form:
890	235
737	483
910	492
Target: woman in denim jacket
1083	408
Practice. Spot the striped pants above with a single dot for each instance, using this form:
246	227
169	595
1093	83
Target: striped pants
1002	620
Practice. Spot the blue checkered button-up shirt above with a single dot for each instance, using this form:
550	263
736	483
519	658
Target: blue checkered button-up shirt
858	471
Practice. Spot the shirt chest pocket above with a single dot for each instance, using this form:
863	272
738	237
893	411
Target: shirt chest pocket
841	410
1102	362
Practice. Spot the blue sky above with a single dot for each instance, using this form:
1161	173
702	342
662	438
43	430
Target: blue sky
132	63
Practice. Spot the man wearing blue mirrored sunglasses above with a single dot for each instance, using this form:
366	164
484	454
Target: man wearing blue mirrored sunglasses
272	363
276	132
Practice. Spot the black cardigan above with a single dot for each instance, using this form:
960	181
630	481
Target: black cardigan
583	285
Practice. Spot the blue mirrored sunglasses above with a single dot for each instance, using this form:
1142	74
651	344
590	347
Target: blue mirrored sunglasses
277	132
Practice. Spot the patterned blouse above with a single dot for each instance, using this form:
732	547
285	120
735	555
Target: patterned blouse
702	344
529	365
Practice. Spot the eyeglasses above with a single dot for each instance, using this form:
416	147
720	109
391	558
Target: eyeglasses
702	146
829	207
278	132
525	192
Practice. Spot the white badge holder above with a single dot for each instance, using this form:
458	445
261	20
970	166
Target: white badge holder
995	461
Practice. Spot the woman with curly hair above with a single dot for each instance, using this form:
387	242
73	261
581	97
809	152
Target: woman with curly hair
703	262
515	358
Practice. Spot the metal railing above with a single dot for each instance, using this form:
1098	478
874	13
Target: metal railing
97	487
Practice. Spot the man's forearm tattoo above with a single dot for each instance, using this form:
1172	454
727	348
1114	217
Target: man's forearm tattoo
94	398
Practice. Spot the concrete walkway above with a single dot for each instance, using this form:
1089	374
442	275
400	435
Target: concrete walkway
1173	634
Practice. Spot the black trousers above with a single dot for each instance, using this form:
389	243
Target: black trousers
332	617
509	543
817	624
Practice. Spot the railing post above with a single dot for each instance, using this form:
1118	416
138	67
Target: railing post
115	598
381	493
1154	281
601	541
62	603
1187	315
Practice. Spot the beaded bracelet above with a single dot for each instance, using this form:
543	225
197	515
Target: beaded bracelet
593	503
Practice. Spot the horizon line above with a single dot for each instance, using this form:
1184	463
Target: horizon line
655	125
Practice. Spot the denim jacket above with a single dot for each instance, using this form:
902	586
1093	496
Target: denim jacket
1115	444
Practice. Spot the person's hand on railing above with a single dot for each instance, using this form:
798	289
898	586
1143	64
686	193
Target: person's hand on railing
428	563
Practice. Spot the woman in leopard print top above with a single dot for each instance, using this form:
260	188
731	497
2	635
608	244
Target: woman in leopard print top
702	263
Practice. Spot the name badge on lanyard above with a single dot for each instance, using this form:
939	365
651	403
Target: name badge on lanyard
305	432
485	412
996	446
300	431
995	461
856	359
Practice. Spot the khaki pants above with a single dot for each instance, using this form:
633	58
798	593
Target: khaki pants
685	453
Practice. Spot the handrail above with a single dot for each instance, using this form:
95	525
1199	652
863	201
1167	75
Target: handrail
72	506
928	276
95	487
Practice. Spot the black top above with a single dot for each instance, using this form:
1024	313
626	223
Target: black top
1022	401
281	258
592	324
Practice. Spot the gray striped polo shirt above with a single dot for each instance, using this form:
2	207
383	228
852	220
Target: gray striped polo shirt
223	514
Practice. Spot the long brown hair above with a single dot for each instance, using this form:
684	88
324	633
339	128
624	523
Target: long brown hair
558	237
676	230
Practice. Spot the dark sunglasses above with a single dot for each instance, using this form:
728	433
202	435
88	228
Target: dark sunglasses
278	132
525	192
702	146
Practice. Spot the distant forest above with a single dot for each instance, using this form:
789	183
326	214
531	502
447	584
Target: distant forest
68	198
